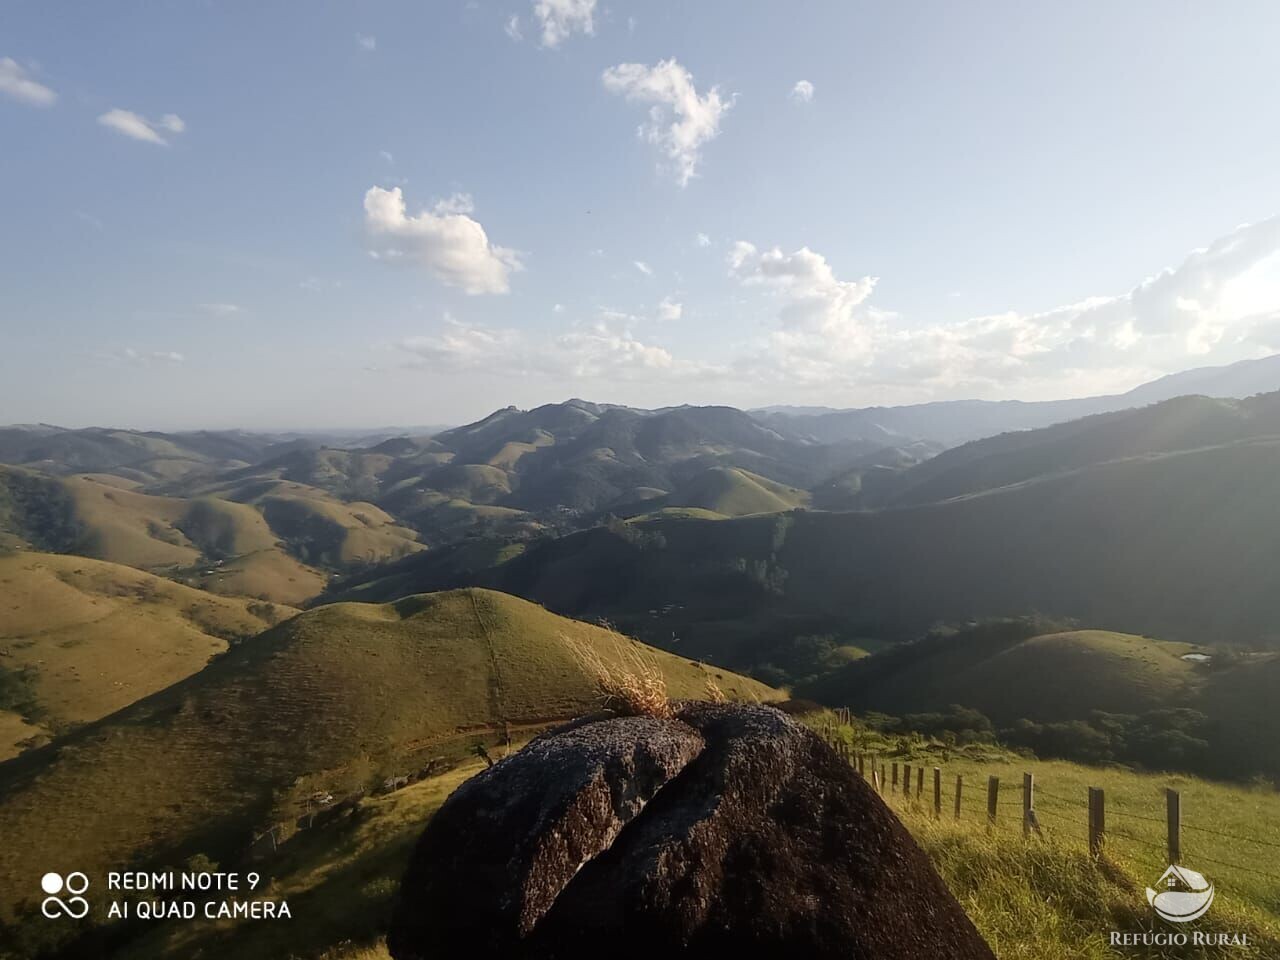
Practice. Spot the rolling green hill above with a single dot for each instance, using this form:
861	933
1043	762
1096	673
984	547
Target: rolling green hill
1184	423
732	492
80	639
270	540
1008	676
1177	546
334	700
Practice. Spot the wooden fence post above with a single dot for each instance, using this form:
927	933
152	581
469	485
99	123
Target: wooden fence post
906	780
993	798
895	776
1097	820
919	782
1173	810
882	775
959	787
937	793
1028	801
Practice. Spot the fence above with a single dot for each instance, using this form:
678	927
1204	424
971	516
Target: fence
903	781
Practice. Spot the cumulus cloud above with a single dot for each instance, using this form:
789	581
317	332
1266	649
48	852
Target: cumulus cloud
560	19
512	28
445	241
16	84
366	43
681	121
824	338
815	301
138	127
802	92
1221	304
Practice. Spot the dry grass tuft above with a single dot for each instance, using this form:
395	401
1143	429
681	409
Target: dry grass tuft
630	682
714	693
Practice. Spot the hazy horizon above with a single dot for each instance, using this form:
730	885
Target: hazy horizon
404	213
355	428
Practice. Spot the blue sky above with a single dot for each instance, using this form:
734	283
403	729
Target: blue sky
748	203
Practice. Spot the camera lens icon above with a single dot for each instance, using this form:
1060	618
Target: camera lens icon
75	906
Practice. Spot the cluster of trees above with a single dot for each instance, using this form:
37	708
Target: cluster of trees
1167	739
40	511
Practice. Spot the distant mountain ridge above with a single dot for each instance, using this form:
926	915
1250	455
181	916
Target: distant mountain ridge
277	515
952	422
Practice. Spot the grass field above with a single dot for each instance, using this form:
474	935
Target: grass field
340	881
88	638
335	701
1038	899
1046	898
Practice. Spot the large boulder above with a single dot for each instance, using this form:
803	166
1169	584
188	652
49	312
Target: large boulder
727	828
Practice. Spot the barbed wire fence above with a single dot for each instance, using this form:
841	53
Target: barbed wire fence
904	781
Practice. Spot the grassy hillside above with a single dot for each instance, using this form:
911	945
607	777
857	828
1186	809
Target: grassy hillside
334	700
143	456
1184	423
263	539
1177	546
732	492
80	639
1048	677
1043	899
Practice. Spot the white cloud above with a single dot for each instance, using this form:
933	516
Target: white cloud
560	19
824	339
512	28
605	349
387	156
138	127
680	120
802	92
367	43
1221	304
454	203
16	84
643	267
703	240
814	300
446	241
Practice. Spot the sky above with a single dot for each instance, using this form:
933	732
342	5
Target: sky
341	214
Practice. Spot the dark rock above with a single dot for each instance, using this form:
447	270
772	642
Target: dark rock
731	831
503	846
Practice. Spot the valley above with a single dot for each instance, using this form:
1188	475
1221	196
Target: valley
275	651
